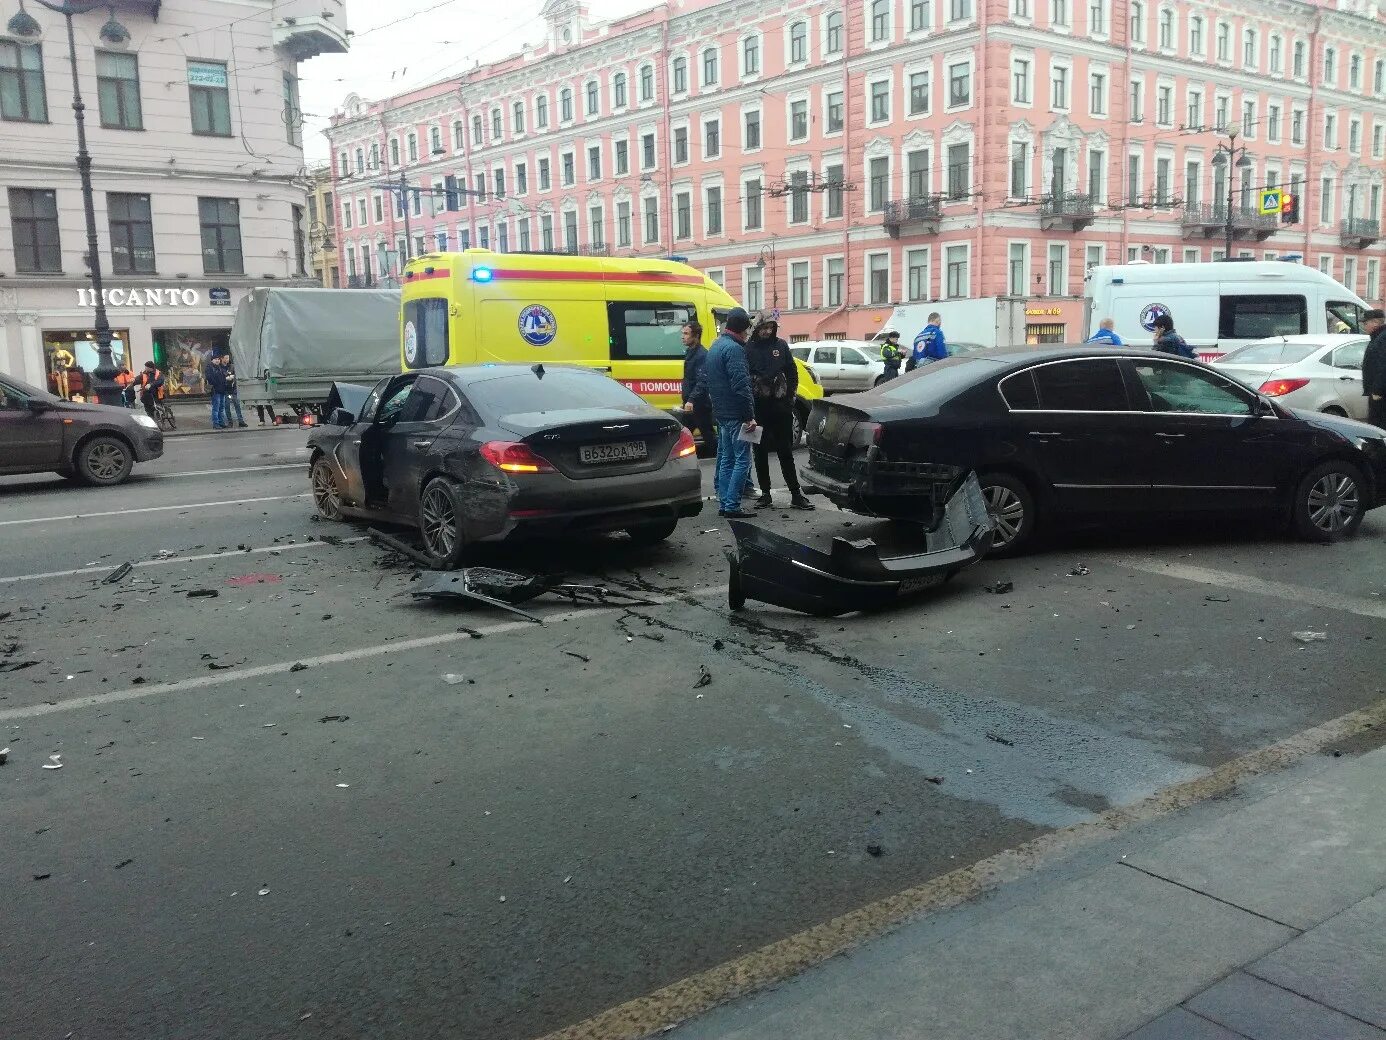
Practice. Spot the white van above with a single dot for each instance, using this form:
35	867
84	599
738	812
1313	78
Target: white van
1222	305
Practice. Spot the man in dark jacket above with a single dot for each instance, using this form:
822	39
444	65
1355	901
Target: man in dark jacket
1374	367
1167	341
695	400
728	382
217	383
774	382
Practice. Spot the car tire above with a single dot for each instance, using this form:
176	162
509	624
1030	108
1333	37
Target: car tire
1329	502
736	596
880	381
652	533
103	461
327	494
440	523
1012	506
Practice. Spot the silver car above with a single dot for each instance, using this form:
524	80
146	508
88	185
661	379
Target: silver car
842	364
1315	373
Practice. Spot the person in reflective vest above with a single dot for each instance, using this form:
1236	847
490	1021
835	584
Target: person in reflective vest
892	355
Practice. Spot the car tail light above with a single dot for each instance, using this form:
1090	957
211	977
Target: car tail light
684	446
1281	387
866	435
513	457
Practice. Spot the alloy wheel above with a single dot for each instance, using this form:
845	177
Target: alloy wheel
1333	502
438	522
1007	510
325	494
105	461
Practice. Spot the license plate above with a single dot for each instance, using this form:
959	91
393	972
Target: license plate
909	585
627	451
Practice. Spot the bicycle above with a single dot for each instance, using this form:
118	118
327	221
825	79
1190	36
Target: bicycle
163	415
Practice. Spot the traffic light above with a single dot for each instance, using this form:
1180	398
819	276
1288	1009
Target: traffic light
1289	209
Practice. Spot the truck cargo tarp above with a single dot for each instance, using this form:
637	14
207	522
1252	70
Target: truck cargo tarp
289	342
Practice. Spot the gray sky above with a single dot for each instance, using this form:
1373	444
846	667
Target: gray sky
403	44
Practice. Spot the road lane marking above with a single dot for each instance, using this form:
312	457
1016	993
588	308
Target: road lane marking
695	995
360	653
107	568
291	464
151	509
1257	586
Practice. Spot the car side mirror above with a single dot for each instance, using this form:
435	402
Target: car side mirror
340	417
37	406
1262	408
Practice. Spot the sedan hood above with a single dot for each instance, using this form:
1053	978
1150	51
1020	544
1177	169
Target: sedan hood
350	396
1340	424
110	412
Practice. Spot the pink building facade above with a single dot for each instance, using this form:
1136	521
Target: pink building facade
836	159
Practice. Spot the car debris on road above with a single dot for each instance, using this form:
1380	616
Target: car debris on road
504	590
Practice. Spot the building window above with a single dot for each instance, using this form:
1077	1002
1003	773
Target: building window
646	82
750	138
647	151
1249	48
517	123
1058	13
594	163
751	195
1299	53
22	95
623	236
543	169
959	85
1166	24
755	288
1020	81
798	197
1273	124
541	112
1330	130
1133	180
651	220
569	169
596	219
1275	50
832	43
878	278
1163	177
836	273
1249	119
879	183
709	67
835	112
1224	41
959	174
680	75
1196	35
680	144
1018	269
1355	136
1137	101
565	105
221	236
917	173
920	15
1097	94
1379	78
683	215
1137	21
959	10
618	90
750	56
412	147
210	98
477	138
1193	178
713	206
1297	126
1058	94
1020	170
955	258
799	285
1097	17
118	92
1330	66
880	101
798	43
34	222
593	98
712	138
917	274
459	141
880	21
1164	106
622	158
798	121
1378	141
833	174
570	231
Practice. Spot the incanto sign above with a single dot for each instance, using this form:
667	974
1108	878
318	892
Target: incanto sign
140	297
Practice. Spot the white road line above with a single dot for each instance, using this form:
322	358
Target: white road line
291	464
107	568
361	653
151	509
1258	586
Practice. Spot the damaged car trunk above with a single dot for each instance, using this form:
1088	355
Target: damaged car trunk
852	575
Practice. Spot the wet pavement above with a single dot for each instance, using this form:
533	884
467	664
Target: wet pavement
277	814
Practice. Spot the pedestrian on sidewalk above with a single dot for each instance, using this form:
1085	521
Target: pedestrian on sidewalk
233	397
215	376
696	402
728	380
150	386
774	382
1374	367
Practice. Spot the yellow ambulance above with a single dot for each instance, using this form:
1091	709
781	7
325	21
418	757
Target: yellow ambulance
621	316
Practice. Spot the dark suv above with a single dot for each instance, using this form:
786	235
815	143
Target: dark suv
93	443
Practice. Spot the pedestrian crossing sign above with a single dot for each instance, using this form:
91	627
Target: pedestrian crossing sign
1271	201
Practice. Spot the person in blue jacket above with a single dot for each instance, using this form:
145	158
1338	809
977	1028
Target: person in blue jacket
1167	341
727	377
1106	334
929	345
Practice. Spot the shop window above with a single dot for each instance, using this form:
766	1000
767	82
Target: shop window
182	355
69	358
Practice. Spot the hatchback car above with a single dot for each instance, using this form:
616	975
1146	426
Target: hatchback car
94	443
1101	432
841	365
485	452
1319	373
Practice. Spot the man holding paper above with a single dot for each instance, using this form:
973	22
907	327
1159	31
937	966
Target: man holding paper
728	381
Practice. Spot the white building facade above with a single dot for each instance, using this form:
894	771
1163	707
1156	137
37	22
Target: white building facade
195	133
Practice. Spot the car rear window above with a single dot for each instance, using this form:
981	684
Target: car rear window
525	392
937	382
1272	353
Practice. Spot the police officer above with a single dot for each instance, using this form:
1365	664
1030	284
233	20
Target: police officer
892	355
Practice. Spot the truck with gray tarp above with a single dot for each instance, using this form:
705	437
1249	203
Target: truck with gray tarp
290	345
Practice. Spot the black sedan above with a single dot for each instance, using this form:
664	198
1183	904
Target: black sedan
481	453
1096	432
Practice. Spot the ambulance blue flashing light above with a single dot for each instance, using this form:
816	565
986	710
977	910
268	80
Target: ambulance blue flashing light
482	274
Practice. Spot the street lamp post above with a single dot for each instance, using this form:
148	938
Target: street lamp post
769	251
1230	156
24	25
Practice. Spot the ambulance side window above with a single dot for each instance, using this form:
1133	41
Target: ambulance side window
648	331
426	333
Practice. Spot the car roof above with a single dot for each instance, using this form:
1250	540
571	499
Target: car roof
1317	339
467	375
1015	357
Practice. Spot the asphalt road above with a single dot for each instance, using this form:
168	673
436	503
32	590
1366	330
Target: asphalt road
277	816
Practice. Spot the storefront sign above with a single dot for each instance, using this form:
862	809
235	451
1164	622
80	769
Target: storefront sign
142	297
1042	312
219	297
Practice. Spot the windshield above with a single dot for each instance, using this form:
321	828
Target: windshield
1278	353
558	390
937	381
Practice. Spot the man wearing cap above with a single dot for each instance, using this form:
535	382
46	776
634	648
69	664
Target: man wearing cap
1374	367
727	377
774	382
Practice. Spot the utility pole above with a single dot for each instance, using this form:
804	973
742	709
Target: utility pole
1233	158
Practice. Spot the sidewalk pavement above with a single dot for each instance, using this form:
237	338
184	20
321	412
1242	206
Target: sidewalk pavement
195	417
1261	917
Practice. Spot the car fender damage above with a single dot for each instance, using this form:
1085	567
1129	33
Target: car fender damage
853	575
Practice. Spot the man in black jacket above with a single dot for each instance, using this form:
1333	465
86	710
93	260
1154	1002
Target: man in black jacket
695	399
1374	367
774	383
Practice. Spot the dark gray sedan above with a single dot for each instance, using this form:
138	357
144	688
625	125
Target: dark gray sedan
482	453
94	443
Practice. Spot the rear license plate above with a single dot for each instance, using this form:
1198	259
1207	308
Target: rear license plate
627	451
910	585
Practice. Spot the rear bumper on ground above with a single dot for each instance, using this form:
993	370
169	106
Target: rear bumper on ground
901	490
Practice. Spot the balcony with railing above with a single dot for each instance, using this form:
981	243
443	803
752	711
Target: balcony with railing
919	214
1359	232
1210	221
360	281
1072	211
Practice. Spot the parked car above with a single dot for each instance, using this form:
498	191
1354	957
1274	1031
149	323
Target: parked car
94	443
841	364
1101	432
481	453
1319	373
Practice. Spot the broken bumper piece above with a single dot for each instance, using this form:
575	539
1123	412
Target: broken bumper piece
505	589
853	575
